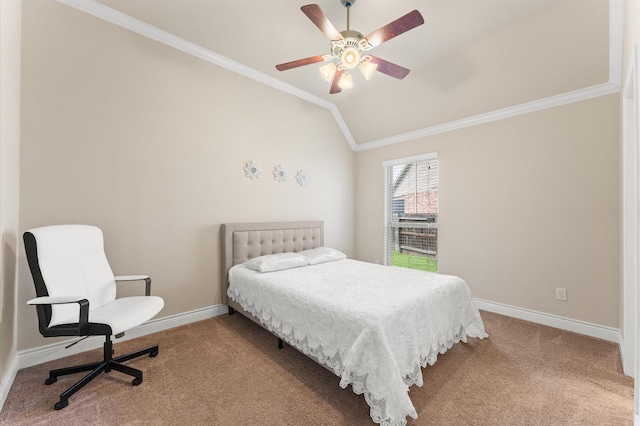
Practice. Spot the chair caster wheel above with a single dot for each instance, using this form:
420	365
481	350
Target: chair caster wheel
60	405
153	354
50	381
136	381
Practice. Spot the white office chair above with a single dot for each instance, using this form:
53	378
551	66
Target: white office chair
77	297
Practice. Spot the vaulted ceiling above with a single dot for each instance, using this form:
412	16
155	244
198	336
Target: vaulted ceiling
469	60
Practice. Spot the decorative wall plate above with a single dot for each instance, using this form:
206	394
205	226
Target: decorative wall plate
302	177
280	174
253	170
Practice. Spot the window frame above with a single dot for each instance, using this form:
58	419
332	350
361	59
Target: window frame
388	177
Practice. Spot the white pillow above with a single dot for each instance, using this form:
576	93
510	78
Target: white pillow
322	254
276	262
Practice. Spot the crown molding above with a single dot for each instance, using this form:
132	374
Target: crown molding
125	21
113	16
525	108
616	19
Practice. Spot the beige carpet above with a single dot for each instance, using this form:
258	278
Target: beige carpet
228	371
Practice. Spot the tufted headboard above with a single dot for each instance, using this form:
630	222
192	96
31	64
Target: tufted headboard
244	241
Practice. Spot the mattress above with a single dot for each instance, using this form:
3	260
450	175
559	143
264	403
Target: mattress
374	326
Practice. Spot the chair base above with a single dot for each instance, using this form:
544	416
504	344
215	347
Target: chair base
106	365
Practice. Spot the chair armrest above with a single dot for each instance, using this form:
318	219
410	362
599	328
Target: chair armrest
52	300
144	278
83	318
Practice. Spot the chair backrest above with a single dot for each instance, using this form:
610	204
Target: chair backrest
69	260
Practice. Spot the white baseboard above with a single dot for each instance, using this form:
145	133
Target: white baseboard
50	352
594	330
7	380
42	354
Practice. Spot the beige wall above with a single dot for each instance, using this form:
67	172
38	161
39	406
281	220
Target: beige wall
527	204
150	144
10	13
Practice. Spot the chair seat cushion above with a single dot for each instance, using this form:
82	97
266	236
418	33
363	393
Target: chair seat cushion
122	314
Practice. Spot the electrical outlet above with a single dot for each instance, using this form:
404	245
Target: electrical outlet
561	293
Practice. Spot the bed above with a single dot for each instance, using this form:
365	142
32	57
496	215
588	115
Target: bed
374	326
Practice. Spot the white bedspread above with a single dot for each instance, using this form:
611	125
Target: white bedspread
375	326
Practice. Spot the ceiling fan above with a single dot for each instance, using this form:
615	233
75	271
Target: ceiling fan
348	48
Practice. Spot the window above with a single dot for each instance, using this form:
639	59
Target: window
411	212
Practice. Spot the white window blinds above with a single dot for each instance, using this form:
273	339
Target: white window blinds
411	212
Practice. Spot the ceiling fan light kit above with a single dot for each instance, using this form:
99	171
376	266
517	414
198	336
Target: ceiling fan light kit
328	71
348	48
346	82
367	69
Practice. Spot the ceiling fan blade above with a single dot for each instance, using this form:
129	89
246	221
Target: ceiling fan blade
318	17
395	28
299	63
335	88
389	68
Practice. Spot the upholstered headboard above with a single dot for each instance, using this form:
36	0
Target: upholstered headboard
244	241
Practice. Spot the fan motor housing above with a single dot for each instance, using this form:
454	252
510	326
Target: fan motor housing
352	39
347	34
